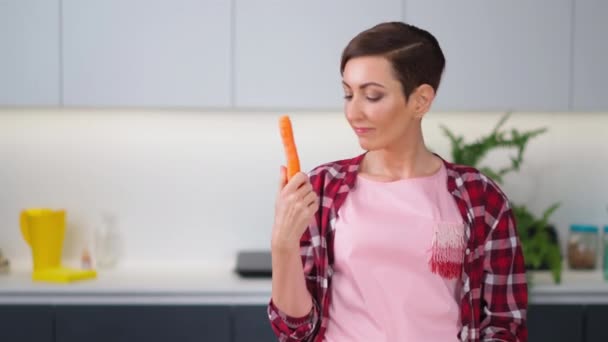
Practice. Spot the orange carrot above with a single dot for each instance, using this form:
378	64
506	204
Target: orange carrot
291	153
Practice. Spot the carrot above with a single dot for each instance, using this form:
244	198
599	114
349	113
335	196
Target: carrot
289	145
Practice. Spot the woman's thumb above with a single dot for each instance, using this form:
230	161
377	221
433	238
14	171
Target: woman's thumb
283	177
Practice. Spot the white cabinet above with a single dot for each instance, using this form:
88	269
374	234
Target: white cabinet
147	53
288	52
543	55
501	54
29	53
590	80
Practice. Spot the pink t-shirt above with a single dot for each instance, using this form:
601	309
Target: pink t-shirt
383	288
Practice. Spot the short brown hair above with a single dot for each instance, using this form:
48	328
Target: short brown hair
415	54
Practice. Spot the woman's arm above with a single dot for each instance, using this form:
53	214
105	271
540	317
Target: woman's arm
505	291
289	292
291	310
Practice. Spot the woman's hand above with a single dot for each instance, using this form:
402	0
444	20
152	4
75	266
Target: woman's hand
295	206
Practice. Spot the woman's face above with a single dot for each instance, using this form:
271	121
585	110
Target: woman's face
374	104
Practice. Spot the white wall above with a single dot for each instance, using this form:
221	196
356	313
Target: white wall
194	187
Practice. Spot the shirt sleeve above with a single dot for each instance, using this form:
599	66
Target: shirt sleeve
505	291
292	329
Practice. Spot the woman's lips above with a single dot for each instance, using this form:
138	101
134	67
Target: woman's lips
362	130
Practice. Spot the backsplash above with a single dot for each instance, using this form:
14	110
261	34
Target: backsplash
191	187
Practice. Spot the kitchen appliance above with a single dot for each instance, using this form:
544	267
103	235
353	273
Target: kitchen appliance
254	264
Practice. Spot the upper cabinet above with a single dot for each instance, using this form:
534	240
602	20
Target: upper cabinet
590	55
148	53
543	55
287	53
501	55
29	57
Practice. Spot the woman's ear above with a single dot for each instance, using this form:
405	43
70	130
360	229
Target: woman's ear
423	98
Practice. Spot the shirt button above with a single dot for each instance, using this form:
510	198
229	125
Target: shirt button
467	251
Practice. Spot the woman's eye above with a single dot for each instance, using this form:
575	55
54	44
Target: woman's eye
348	96
374	98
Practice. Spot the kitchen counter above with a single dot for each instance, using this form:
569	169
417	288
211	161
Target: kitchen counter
139	286
577	287
219	285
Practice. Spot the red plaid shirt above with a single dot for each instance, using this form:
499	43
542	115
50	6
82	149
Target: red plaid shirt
495	296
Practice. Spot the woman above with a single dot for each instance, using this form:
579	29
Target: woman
395	244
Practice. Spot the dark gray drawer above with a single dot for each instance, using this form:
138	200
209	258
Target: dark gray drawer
26	323
143	323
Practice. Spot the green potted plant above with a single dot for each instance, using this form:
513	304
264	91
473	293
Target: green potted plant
539	239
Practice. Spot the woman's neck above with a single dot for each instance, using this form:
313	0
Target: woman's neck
408	158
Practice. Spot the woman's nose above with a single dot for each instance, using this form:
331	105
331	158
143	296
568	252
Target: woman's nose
352	109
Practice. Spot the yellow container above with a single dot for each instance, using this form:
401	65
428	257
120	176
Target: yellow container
44	231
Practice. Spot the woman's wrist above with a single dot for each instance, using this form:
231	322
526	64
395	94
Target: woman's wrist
285	249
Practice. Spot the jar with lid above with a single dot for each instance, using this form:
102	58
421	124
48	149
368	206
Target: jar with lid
583	247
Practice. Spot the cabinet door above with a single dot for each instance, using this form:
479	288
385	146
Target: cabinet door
555	323
590	55
251	324
25	323
29	59
596	328
288	52
146	53
501	55
142	323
